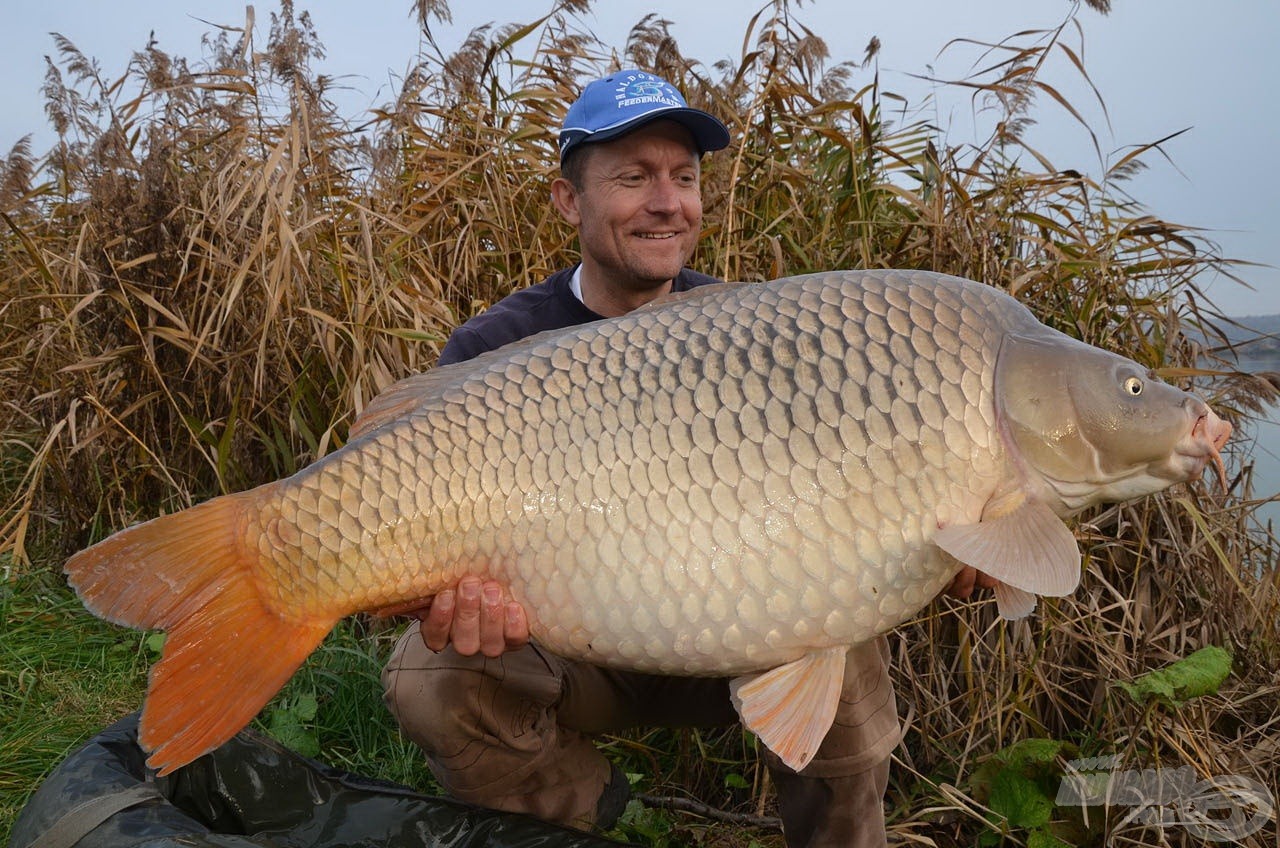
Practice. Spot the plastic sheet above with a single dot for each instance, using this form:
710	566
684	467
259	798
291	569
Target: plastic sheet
253	793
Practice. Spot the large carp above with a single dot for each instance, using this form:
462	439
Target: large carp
740	481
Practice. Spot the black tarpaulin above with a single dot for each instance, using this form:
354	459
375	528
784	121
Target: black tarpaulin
253	793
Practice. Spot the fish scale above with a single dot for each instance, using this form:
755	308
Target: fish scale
734	451
740	480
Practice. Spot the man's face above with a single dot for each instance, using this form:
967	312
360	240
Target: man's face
639	208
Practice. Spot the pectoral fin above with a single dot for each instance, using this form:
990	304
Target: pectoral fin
792	706
1028	548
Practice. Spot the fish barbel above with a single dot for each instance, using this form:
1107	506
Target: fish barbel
742	481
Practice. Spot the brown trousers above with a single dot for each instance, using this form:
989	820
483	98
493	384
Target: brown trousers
513	734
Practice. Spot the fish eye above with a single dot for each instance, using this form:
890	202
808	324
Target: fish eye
1133	386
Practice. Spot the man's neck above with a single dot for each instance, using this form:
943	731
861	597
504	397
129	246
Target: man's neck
612	301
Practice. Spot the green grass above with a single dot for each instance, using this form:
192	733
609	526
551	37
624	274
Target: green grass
332	708
64	675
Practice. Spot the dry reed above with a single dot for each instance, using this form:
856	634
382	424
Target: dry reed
211	272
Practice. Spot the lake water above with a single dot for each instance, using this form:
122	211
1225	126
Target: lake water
1264	448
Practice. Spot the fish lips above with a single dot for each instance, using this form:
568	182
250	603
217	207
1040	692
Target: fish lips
1203	445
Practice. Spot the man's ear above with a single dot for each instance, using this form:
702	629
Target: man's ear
565	198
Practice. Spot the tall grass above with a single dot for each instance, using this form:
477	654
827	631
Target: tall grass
212	271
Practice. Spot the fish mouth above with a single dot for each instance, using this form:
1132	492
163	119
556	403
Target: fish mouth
1204	444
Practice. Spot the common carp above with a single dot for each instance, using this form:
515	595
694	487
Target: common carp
741	481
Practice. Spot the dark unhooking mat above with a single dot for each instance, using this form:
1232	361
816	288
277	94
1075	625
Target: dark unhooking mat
253	793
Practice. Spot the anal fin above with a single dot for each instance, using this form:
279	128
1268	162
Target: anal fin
792	706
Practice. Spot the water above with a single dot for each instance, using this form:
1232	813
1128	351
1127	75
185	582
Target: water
1264	452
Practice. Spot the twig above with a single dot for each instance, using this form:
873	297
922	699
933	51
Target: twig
686	805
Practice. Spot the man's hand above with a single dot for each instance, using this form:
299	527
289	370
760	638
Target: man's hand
474	617
969	577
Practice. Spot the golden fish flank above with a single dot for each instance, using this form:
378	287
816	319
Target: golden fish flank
759	475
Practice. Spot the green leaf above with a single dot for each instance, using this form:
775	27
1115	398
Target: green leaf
1202	673
1031	752
736	781
1020	800
288	724
1030	758
989	839
154	642
1041	839
305	706
286	728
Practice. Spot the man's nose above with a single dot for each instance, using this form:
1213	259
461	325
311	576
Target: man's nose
664	196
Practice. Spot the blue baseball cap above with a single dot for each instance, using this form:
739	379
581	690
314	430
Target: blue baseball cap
626	100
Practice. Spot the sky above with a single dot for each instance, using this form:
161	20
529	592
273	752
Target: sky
1212	69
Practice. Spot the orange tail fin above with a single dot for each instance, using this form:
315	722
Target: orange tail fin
196	575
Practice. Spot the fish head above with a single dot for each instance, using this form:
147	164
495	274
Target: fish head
1087	426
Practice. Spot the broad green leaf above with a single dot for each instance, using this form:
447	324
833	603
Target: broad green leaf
1020	800
1175	684
1028	752
1040	839
1031	759
305	706
286	728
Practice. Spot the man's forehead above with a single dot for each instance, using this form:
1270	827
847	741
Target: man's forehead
657	138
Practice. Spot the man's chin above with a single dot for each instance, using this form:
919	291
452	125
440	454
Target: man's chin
656	272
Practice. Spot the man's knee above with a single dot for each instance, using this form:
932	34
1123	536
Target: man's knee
443	701
429	696
489	729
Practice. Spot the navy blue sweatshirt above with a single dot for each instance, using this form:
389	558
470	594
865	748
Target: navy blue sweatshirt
548	305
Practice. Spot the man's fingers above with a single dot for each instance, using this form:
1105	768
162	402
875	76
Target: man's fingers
465	634
962	586
438	621
492	621
967	580
516	626
475	618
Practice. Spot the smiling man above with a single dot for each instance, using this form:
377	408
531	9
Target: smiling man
629	183
508	725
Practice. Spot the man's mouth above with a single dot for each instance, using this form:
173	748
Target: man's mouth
656	236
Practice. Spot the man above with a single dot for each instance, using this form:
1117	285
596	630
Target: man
507	725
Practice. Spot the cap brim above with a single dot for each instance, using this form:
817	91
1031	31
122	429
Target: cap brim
708	132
